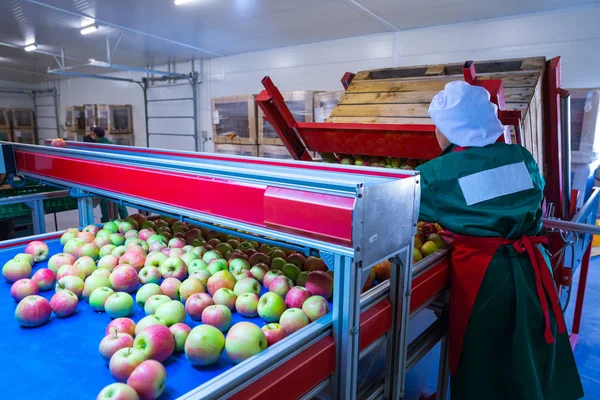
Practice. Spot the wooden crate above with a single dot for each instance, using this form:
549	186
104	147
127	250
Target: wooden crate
237	149
234	120
75	119
402	95
122	139
24	136
325	102
120	119
22	118
4	120
300	103
5	135
97	115
75	136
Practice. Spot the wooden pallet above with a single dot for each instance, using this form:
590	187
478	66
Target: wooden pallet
27	136
120	119
5	135
75	119
4	120
234	120
402	95
22	118
325	102
300	103
237	149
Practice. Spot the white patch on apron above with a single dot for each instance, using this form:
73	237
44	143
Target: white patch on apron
496	182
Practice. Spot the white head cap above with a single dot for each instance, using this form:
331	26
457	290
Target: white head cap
465	115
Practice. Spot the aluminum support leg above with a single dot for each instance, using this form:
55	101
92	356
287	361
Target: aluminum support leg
346	326
38	216
443	371
400	286
113	211
84	207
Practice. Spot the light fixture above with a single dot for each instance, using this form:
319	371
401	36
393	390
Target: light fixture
89	29
180	2
30	47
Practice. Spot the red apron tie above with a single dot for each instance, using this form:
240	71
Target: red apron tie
470	260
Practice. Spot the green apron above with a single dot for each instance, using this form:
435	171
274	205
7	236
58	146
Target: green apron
496	192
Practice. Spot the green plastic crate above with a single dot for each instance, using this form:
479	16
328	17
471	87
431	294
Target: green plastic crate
22	210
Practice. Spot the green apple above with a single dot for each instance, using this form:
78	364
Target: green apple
271	306
145	292
244	340
111	227
92	283
247	285
172	312
189	257
118	305
99	296
154	301
217	265
197	265
204	345
147	321
211	255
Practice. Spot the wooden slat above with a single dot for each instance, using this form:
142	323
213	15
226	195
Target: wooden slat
381	110
518	94
436	70
380	120
539	122
388	98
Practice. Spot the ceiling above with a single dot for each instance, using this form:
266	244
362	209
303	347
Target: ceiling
156	32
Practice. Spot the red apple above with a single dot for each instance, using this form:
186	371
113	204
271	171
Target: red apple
23	288
320	283
64	303
123	325
281	285
124	278
274	333
39	250
148	379
117	391
108	262
218	316
247	304
149	274
269	276
124	361
113	342
134	258
204	345
173	267
44	278
293	319
222	279
60	259
315	264
170	287
196	304
244	340
315	307
156	341
69	270
33	311
296	297
180	333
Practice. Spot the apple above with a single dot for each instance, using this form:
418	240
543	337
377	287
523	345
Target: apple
117	239
218	316
133	258
437	239
274	333
92	283
60	259
157	246
153	302
111	227
89	250
118	304
293	319
281	285
93	229
149	274
101	242
113	342
66	237
86	265
180	333
69	270
417	255
172	312
149	380
101	272
155	238
106	250
87	237
199	251
124	325
39	250
315	307
44	278
33	311
203	275
259	271
277	263
291	271
320	283
145	233
315	264
156	341
131	234
222	279
147	321
117	391
125	226
296	297
247	304
269	276
247	285
196	304
259	258
73	283
211	255
189	287
137	244
15	270
238	264
176	243
98	297
271	306
429	248
187	258
72	245
187	248
170	287
175	252
225	297
301	280
145	292
103	233
204	345
124	361
173	267
119	251
155	259
108	262
297	259
217	265
244	340
23	288
124	278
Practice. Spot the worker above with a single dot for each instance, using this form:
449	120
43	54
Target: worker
91	137
507	333
99	135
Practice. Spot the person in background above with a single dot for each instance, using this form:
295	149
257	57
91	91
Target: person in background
508	338
99	135
91	137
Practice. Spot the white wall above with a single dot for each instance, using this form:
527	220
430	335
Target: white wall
573	34
10	100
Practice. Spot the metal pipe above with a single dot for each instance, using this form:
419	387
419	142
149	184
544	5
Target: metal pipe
194	83
144	86
571	226
56	105
565	132
33	197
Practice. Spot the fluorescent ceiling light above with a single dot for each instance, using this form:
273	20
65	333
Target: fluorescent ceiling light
180	2
87	22
30	47
89	29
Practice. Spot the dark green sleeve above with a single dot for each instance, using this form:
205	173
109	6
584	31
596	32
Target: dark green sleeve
534	169
427	179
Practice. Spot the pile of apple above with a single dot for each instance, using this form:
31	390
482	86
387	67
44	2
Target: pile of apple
428	240
175	270
370	161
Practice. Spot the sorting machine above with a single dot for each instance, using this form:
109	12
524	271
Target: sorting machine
332	211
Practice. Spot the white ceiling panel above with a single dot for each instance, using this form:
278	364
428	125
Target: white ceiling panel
156	32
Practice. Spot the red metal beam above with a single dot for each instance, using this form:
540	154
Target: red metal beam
585	266
552	137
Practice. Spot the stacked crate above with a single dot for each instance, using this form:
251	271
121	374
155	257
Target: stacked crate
234	125
117	121
120	123
5	133
75	123
23	126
